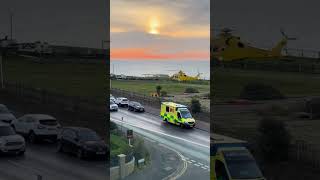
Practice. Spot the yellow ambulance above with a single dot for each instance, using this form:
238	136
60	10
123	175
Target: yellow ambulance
231	160
177	114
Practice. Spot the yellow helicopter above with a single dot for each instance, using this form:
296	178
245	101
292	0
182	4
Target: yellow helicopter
227	47
181	76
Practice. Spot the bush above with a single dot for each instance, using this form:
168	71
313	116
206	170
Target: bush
259	91
164	93
195	106
273	140
191	90
113	126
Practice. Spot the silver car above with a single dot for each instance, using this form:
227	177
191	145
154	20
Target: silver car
5	115
10	142
113	106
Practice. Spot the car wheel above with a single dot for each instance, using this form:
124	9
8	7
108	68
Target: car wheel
80	153
32	137
21	153
182	125
59	147
14	128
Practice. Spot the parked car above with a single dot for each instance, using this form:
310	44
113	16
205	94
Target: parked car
135	106
37	127
10	142
112	98
122	102
5	114
113	106
82	142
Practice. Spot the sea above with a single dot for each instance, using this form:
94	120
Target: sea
149	67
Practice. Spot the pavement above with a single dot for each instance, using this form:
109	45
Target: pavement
192	145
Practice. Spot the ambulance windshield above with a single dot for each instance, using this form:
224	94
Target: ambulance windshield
241	165
185	113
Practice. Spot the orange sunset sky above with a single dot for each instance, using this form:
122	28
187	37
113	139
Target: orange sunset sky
160	30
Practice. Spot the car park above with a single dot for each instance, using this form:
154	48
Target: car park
37	127
135	106
113	106
10	142
122	102
5	114
82	142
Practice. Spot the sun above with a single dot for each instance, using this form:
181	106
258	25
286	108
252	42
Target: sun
154	25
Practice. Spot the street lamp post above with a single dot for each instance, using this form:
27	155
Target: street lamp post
1	69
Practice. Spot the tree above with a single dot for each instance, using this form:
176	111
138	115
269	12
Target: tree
158	88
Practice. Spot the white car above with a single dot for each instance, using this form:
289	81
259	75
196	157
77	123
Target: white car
121	101
10	142
112	98
113	106
5	115
37	127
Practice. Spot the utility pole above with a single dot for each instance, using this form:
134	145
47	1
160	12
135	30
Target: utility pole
1	68
11	24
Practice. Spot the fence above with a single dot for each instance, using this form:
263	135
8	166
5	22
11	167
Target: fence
302	151
305	66
75	111
304	53
147	100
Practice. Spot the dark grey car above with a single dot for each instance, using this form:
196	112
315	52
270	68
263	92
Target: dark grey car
135	106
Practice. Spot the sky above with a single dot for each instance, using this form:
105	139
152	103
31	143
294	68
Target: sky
64	22
160	29
260	21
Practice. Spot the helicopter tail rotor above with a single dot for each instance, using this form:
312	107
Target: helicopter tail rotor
286	36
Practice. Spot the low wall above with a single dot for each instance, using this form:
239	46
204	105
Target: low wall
115	171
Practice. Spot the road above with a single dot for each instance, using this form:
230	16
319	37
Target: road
42	159
193	145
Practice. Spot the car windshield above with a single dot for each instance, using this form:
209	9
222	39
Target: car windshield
49	122
137	104
88	135
241	165
6	131
124	99
185	113
4	110
111	103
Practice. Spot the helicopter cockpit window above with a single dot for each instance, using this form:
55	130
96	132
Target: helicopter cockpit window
240	45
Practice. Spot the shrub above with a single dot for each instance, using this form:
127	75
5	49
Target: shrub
113	126
191	90
259	91
164	93
195	106
158	89
273	140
